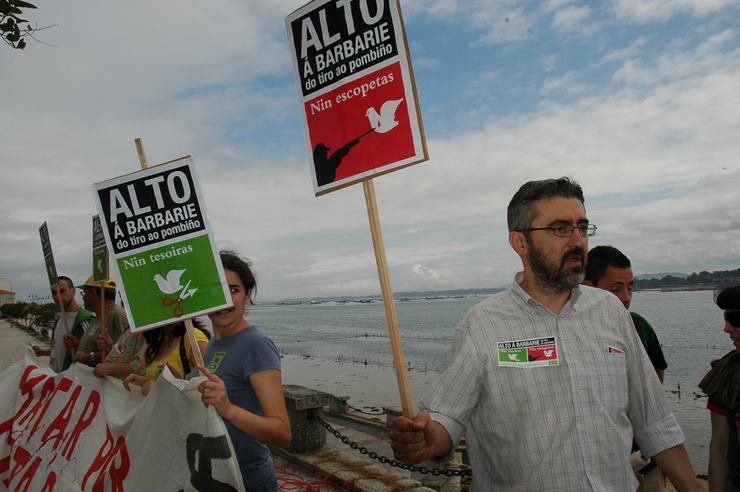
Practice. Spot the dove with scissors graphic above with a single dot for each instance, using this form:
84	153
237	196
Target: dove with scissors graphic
168	301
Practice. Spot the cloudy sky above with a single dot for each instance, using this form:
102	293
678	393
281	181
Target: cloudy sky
638	100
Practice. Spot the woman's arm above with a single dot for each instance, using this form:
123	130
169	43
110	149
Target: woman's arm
719	468
139	380
273	428
113	369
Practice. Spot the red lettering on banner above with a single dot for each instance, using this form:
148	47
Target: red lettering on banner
4	465
46	391
103	462
64	385
6	426
61	422
93	402
26	387
28	476
51	481
21	458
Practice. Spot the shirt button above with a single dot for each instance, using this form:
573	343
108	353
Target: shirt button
569	352
592	470
584	429
578	392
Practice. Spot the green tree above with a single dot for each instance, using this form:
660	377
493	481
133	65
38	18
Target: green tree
14	310
12	28
48	313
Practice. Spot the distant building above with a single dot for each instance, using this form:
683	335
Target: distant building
6	296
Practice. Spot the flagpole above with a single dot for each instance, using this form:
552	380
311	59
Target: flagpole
390	307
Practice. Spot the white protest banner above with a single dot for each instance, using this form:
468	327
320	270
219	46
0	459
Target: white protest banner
356	88
162	246
74	432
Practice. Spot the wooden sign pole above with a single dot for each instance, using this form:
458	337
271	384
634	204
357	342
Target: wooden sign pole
102	309
390	307
188	322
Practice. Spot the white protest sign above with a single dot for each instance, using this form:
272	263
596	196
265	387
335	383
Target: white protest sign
162	245
356	88
73	432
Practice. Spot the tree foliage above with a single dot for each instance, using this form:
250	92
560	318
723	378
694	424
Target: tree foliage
719	277
14	310
12	28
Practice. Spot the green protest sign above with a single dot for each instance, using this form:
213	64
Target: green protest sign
154	222
100	252
51	269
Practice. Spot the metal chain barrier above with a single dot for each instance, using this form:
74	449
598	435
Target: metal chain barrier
388	461
377	413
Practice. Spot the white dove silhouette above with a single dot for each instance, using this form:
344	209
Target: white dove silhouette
100	265
548	353
513	357
172	284
386	120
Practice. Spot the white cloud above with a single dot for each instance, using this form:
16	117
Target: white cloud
571	19
653	142
662	10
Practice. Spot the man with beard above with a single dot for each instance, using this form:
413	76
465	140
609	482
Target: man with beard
78	320
547	380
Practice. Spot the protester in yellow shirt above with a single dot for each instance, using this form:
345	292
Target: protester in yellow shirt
168	345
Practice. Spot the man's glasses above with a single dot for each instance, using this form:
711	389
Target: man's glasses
564	230
733	317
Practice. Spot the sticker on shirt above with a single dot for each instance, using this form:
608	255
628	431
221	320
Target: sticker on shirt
218	357
614	350
535	352
122	347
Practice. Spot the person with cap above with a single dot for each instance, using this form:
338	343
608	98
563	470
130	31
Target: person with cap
722	385
78	320
86	347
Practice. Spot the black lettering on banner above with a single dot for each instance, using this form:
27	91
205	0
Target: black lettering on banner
98	237
207	449
150	209
45	242
340	34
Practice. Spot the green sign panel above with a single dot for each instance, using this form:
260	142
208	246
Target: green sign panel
172	281
100	252
155	225
51	269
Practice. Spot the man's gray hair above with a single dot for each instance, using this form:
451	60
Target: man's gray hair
522	211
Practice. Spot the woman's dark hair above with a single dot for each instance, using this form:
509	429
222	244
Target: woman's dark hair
155	338
728	298
232	261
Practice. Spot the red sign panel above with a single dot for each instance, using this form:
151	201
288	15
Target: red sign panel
360	112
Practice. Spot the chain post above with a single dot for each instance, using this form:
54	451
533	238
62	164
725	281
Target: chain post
388	461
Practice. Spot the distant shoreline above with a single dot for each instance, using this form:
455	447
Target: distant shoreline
680	288
441	294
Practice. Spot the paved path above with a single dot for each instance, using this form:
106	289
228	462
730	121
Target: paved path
13	343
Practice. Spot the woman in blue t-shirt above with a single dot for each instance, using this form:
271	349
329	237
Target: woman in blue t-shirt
244	381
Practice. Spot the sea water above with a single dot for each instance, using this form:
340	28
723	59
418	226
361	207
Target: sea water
343	348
